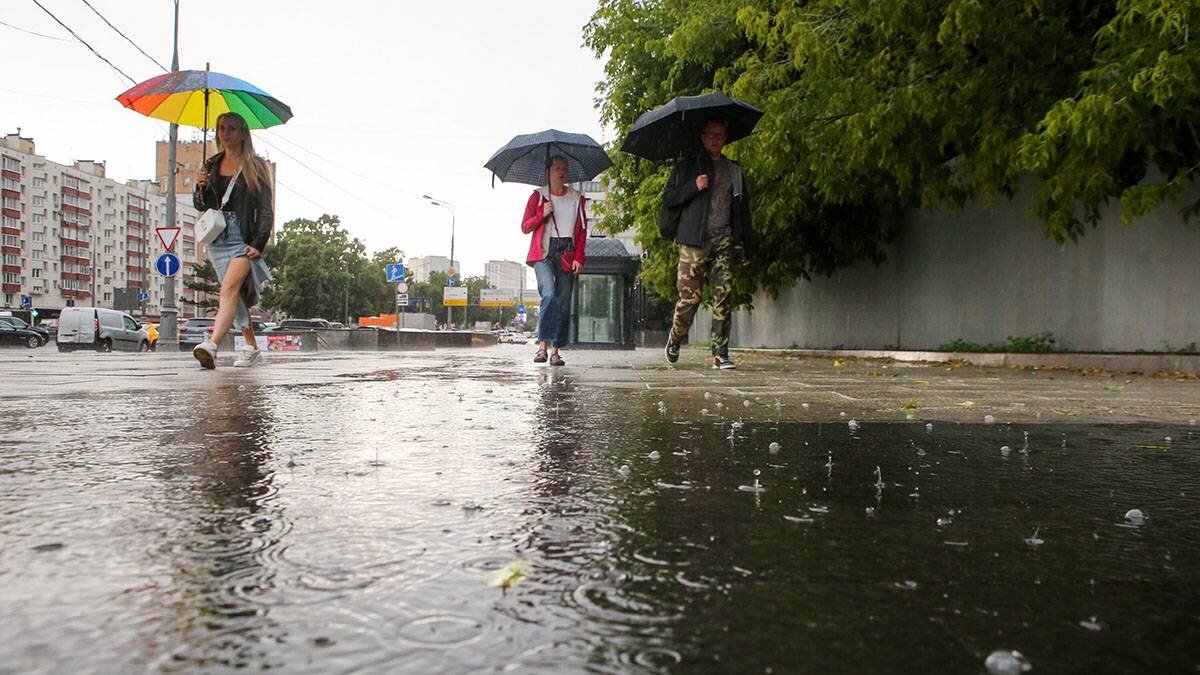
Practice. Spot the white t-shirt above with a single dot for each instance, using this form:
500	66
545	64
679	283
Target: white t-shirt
566	212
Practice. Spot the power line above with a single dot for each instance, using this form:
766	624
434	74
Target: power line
135	45
364	177
344	168
48	37
318	174
84	43
300	195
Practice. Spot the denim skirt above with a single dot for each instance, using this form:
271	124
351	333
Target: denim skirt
229	245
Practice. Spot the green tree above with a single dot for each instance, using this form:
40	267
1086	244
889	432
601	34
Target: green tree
320	271
877	107
204	281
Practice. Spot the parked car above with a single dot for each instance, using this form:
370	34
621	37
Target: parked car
51	326
336	324
101	329
43	334
11	335
194	331
301	324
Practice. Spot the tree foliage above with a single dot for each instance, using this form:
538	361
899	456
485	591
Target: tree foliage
204	281
876	107
320	271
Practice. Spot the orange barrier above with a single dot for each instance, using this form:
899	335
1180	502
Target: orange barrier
381	321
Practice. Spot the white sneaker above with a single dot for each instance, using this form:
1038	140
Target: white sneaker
251	356
206	354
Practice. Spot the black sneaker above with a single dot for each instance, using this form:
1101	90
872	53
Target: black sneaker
723	363
540	357
672	351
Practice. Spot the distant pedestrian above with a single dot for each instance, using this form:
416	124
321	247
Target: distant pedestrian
237	252
709	193
556	218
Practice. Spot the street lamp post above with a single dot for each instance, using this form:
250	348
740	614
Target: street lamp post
447	205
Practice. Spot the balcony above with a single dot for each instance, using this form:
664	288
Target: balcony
11	288
71	293
12	250
136	254
14	175
10	269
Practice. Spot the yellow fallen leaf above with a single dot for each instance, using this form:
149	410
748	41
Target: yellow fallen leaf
967	404
837	363
509	575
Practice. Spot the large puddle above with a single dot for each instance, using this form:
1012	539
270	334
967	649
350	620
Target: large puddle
424	521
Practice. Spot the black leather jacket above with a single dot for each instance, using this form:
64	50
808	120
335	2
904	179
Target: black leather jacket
255	213
681	191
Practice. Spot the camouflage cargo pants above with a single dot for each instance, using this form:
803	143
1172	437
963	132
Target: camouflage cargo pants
695	264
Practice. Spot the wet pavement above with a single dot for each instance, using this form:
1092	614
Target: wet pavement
470	511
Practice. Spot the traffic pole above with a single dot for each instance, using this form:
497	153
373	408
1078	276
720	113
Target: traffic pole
168	327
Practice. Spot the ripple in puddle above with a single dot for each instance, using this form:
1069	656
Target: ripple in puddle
619	606
439	630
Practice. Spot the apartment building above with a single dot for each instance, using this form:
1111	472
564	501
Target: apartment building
420	267
72	236
505	274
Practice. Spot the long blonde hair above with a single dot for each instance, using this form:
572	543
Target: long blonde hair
253	168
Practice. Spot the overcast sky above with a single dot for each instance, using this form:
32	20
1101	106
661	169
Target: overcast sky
414	96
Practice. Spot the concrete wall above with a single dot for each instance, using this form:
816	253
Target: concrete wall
986	273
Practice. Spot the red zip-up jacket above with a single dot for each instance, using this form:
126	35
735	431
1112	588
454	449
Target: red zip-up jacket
533	222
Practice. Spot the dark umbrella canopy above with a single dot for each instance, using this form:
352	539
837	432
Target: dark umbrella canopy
674	129
523	159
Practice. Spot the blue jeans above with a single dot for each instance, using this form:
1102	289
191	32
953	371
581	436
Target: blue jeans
554	285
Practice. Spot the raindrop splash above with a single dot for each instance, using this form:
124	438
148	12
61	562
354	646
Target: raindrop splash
1006	663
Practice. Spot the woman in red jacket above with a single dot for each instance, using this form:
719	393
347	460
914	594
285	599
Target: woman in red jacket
556	219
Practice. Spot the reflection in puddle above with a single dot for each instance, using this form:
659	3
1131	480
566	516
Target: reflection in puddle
487	520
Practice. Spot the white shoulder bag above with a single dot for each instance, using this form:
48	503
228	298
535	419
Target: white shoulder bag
212	222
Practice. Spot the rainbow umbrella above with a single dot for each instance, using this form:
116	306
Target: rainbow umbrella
195	98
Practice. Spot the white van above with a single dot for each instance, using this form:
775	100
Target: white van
101	329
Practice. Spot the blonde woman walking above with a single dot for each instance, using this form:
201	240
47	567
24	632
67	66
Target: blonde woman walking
236	254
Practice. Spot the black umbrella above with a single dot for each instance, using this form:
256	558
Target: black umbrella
523	159
674	129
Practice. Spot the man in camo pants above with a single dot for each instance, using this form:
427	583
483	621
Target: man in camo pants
714	230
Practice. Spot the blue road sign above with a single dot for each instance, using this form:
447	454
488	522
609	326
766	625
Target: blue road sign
143	296
26	302
520	309
450	281
167	264
395	272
